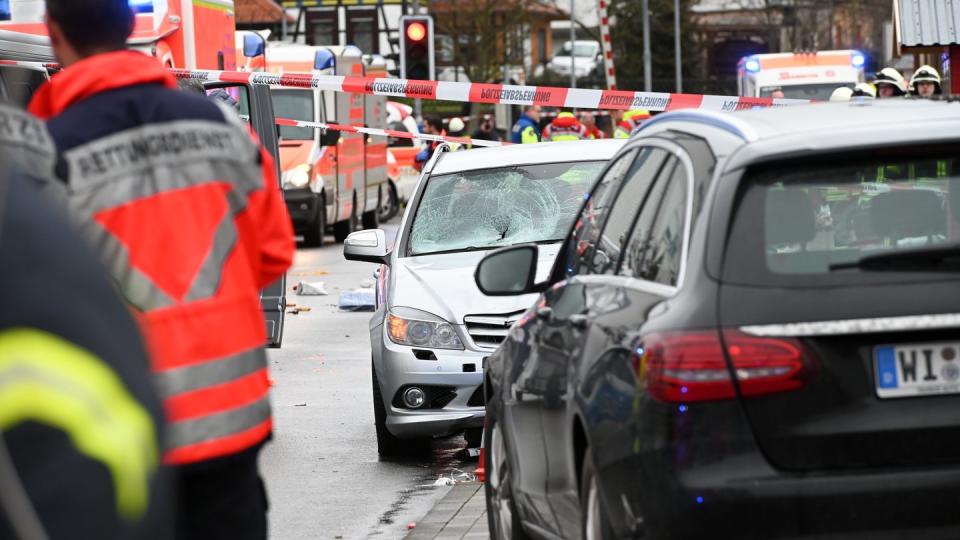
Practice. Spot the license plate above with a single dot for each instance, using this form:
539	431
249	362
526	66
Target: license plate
918	369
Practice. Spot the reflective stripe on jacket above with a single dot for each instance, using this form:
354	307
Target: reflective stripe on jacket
525	131
78	412
185	212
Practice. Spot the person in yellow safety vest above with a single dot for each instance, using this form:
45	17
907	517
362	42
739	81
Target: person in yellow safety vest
890	83
527	128
565	127
631	121
925	82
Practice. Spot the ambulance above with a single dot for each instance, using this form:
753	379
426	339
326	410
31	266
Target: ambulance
330	180
801	75
166	29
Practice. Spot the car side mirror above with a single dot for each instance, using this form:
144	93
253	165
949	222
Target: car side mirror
329	137
508	272
367	246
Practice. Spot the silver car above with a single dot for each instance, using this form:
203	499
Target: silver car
433	328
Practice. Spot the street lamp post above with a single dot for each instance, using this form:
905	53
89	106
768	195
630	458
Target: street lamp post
676	45
647	58
573	49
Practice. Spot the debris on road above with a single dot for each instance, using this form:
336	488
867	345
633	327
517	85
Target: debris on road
411	526
358	300
453	478
300	405
311	288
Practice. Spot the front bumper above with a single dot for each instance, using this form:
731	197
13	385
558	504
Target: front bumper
398	368
302	205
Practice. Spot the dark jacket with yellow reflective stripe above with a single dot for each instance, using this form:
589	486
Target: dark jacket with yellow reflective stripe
78	411
186	213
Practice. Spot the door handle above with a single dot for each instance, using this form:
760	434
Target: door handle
579	321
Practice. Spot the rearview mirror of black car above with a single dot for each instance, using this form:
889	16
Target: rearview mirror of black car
508	271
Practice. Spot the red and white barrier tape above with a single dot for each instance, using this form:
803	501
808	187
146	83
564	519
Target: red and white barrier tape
571	98
504	94
37	65
388	133
607	46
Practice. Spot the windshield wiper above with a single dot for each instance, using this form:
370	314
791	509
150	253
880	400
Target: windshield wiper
944	258
456	250
489	247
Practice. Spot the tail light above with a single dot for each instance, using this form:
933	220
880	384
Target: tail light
690	366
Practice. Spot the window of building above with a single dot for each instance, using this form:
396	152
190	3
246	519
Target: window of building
363	30
323	27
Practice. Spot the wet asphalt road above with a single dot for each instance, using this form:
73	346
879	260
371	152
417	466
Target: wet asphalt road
323	474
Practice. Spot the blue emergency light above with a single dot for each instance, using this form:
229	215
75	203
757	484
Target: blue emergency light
253	45
142	6
857	60
324	59
752	65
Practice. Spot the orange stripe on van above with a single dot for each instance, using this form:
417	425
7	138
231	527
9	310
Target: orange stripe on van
803	60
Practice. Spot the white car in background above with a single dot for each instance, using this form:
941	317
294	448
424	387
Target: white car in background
433	328
589	59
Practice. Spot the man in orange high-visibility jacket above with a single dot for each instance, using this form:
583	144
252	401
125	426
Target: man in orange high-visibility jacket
185	211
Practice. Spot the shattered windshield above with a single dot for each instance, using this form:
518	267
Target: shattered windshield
492	208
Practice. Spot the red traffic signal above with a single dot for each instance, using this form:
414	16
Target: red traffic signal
416	31
416	48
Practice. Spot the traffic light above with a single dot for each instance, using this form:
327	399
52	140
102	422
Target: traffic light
416	47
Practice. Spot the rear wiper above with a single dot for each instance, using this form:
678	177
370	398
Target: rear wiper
943	257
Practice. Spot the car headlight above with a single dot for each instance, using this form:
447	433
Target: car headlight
417	328
297	177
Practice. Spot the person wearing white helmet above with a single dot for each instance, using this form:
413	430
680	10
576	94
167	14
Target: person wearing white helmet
842	93
864	90
456	128
890	83
925	82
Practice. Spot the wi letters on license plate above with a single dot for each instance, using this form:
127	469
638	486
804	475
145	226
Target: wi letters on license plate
919	369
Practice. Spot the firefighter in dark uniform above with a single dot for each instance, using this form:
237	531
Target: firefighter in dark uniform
79	419
185	210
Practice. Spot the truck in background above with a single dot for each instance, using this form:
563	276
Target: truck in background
166	29
330	180
801	75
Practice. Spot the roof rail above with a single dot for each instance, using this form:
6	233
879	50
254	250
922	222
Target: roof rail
725	121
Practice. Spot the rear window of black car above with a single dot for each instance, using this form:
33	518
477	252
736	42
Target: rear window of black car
812	222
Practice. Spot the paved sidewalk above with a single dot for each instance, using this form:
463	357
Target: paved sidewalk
460	515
